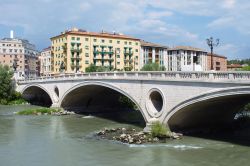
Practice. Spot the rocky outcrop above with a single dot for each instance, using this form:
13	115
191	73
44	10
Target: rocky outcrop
131	136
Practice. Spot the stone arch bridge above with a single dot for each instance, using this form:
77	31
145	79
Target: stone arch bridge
178	99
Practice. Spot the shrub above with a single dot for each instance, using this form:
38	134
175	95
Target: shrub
152	67
160	130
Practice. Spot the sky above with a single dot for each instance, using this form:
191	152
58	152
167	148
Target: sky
167	22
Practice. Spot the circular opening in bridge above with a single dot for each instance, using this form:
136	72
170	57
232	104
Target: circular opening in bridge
156	100
56	91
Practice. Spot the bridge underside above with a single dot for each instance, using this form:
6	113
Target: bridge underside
212	114
100	100
37	96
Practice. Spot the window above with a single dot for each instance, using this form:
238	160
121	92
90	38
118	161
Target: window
130	43
136	43
95	40
103	41
86	39
118	42
125	42
86	54
86	47
110	41
118	56
72	38
86	62
78	39
136	50
118	63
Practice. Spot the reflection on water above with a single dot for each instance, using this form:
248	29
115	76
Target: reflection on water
64	141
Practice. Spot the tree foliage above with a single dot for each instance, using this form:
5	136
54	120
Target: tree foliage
152	67
245	68
6	86
7	89
237	61
94	68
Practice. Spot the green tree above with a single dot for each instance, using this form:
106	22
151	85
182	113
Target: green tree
152	67
94	68
245	68
91	68
6	86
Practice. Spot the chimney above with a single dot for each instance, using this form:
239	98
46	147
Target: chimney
11	34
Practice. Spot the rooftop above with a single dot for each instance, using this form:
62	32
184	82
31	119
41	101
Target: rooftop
188	48
149	44
216	55
76	31
234	66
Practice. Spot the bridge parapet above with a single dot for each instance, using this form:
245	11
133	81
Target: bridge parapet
225	77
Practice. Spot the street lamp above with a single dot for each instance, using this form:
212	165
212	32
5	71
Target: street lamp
211	43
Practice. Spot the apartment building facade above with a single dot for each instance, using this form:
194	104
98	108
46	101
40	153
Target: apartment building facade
20	55
45	62
74	50
185	58
153	53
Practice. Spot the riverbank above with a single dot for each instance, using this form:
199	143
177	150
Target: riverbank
44	111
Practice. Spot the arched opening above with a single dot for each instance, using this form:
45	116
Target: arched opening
214	117
37	96
56	91
156	100
103	102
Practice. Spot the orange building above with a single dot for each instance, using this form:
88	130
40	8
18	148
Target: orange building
219	62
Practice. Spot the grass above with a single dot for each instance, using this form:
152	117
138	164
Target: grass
159	130
38	111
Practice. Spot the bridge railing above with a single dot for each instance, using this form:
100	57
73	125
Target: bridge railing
168	76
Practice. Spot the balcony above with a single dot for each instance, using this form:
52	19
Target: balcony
128	60
75	64
103	52
76	57
128	53
76	50
64	47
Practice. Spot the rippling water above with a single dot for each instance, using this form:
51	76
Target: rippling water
68	141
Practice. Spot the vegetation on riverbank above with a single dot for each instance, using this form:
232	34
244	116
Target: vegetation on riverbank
8	95
158	134
45	111
38	111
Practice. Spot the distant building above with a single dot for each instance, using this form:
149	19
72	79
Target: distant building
21	54
219	62
45	62
234	67
153	53
76	49
185	58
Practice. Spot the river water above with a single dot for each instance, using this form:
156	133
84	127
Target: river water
68	141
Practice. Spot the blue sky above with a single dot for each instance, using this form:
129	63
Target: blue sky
168	22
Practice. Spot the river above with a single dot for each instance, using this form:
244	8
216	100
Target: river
68	141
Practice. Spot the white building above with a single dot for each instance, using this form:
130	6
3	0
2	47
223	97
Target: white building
153	53
21	54
185	58
45	62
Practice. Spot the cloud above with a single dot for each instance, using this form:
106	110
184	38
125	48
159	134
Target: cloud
182	22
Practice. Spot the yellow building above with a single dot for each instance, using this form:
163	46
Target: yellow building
76	49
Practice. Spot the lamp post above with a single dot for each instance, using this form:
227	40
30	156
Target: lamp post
211	43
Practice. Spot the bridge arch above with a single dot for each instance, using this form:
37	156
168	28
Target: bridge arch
211	109
37	95
90	89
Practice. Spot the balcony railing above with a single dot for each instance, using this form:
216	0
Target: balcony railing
75	64
76	50
103	52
